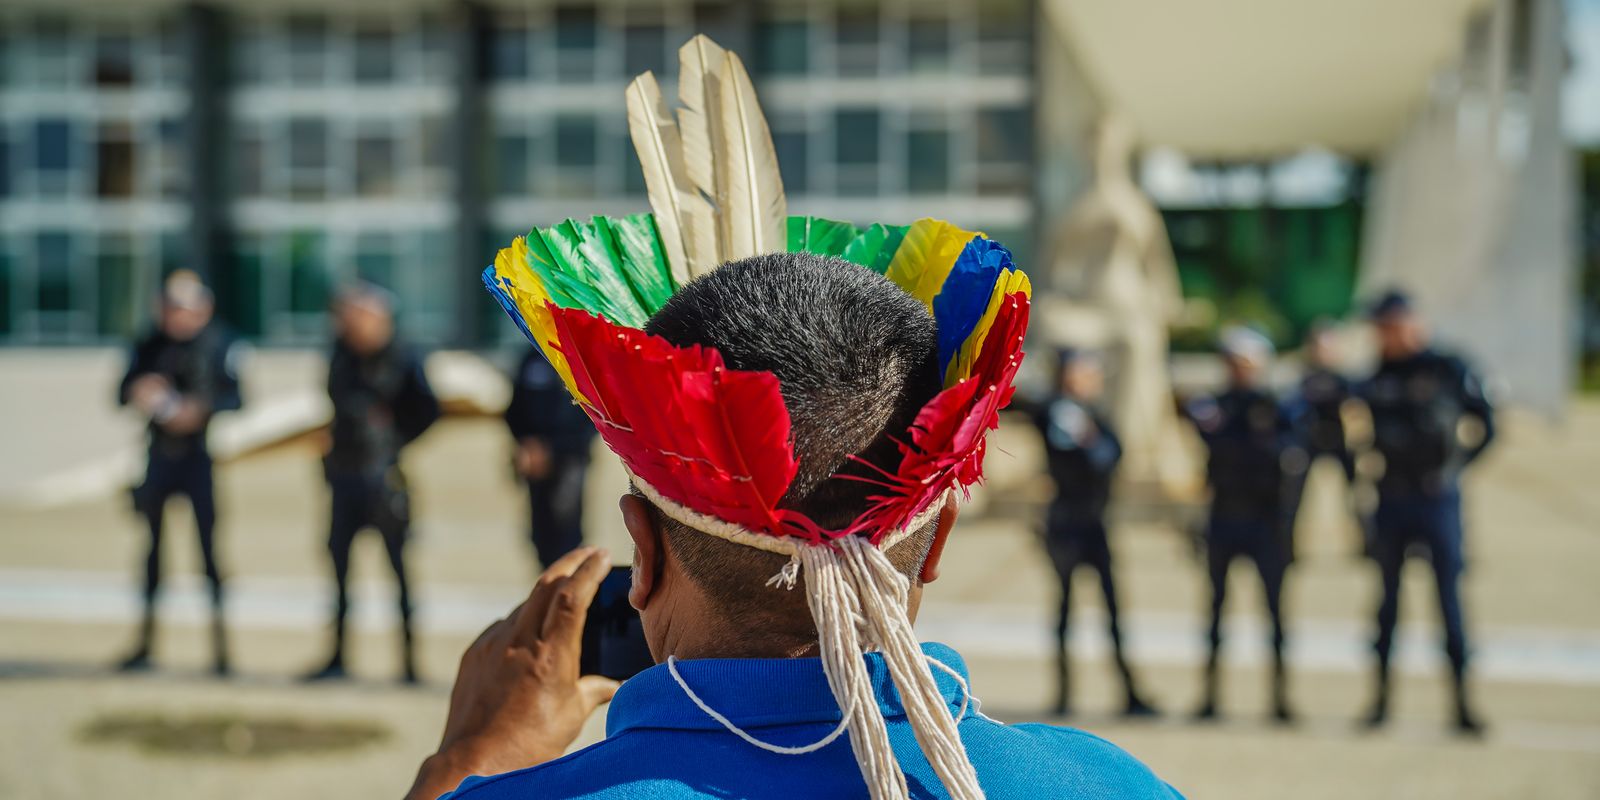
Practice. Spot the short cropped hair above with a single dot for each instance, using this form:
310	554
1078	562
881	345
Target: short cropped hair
856	359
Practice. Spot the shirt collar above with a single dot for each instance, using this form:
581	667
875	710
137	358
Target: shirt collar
753	692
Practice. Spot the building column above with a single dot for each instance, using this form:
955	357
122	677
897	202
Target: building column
204	39
468	132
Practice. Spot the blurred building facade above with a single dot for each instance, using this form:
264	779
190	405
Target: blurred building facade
283	147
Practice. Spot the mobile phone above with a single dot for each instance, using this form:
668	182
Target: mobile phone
613	634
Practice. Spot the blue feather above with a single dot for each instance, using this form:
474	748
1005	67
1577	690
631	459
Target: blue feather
504	298
965	294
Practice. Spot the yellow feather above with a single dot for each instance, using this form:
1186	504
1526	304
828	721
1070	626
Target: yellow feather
1010	282
750	202
925	257
655	137
528	292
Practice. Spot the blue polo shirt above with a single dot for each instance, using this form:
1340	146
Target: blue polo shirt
660	746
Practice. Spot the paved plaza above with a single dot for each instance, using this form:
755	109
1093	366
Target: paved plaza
68	605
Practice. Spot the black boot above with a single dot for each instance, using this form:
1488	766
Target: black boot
1467	722
1378	714
219	644
408	660
138	659
334	669
1135	706
1281	712
1208	707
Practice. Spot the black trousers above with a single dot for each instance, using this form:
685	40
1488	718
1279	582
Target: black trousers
1428	524
360	501
1263	542
556	505
166	476
1074	541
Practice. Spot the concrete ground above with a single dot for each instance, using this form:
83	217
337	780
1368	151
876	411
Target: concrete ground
67	604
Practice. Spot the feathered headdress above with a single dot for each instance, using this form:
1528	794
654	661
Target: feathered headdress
710	446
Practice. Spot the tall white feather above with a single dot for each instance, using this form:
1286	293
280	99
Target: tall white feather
699	67
655	137
751	208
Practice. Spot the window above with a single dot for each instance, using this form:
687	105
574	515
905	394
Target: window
644	48
5	162
928	160
308	273
577	34
307	39
117	293
513	165
575	141
52	145
784	49
376	156
240	290
171	177
52	54
856	151
114	161
1003	37
374	55
632	170
856	136
508	53
53	251
375	261
793	158
249	158
927	43
1005	149
113	61
857	33
308	158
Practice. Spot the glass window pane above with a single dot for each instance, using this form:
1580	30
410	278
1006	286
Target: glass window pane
240	290
575	141
928	161
5	162
794	159
508	53
857	31
375	261
54	283
307	38
115	287
250	152
928	44
577	27
308	272
784	47
376	156
645	48
308	158
1003	37
1005	136
632	171
52	145
171	174
513	165
856	136
52	56
374	55
113	61
114	161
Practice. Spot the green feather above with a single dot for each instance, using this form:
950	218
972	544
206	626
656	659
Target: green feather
590	270
643	260
875	247
823	237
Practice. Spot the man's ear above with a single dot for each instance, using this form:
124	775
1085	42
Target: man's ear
941	534
648	553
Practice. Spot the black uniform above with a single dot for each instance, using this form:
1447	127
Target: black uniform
542	409
1319	407
202	370
1247	432
1082	451
1417	406
381	402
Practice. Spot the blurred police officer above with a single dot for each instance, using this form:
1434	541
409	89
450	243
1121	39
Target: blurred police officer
1082	451
381	402
1430	419
179	375
1249	435
1320	406
553	437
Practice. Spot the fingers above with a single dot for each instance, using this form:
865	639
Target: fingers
563	623
528	623
596	690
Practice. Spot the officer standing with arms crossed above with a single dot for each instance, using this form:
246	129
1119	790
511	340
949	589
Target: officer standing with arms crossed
553	438
1249	435
1430	419
1082	452
381	402
179	375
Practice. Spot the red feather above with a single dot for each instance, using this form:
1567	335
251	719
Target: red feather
712	439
